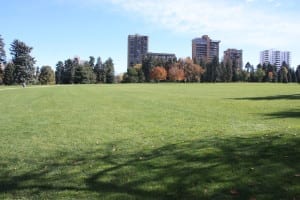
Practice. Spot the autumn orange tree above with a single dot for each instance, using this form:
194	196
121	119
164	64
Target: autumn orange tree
192	71
158	74
176	73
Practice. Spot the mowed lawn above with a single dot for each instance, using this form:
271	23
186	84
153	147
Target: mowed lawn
150	141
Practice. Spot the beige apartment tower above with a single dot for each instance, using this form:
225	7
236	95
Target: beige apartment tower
234	55
205	49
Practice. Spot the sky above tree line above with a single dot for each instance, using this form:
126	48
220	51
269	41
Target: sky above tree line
62	29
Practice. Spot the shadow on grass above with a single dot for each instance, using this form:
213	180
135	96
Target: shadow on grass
285	114
265	167
276	97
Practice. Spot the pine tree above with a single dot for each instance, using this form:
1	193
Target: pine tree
23	61
59	72
109	71
69	72
2	51
9	70
99	71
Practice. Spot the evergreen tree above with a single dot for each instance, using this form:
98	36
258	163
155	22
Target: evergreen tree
1	75
92	61
221	70
9	72
214	65
228	70
248	67
235	71
109	71
46	76
292	75
69	71
260	74
59	72
283	74
99	71
298	74
141	76
147	66
84	74
23	61
131	76
2	51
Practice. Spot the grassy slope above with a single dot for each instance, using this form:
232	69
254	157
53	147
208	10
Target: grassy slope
156	141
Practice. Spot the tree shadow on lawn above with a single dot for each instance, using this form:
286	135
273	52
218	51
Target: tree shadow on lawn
265	167
276	97
285	114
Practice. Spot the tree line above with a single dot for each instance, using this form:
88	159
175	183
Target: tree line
22	70
72	71
188	70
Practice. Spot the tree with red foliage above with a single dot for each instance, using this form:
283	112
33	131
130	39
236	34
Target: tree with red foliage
176	74
192	71
158	74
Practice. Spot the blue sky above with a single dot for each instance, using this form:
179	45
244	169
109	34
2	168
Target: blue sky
62	29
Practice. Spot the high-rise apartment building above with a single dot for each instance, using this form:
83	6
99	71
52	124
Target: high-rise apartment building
137	49
205	49
234	55
275	57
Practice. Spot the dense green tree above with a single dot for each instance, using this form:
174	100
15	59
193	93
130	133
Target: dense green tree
292	75
298	74
59	72
99	71
260	74
92	61
2	51
1	75
228	70
131	76
23	61
141	76
147	66
37	72
9	72
244	76
248	67
221	70
215	64
69	71
249	70
235	71
2	59
46	75
211	70
109	71
84	74
283	74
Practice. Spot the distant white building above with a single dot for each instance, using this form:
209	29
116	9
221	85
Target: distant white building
275	57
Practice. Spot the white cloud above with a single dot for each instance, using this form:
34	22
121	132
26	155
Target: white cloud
247	24
235	20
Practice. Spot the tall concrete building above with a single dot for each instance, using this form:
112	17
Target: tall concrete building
275	57
234	55
137	49
205	48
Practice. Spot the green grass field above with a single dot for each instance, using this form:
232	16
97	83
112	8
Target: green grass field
150	141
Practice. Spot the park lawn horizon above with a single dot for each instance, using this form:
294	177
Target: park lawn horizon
150	141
